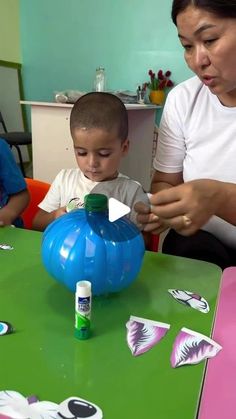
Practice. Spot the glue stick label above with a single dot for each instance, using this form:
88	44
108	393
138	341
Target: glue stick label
83	305
82	309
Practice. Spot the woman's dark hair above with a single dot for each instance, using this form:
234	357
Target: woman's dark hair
100	110
220	8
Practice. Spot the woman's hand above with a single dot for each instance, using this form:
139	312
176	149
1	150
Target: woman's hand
150	222
185	208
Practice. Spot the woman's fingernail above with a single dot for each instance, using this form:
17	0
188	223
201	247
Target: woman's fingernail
186	220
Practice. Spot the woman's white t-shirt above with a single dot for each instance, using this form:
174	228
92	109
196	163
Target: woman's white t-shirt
197	136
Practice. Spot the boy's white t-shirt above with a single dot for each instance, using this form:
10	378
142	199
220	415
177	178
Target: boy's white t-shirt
197	136
71	183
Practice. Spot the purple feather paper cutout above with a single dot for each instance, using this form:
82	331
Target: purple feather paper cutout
191	347
143	334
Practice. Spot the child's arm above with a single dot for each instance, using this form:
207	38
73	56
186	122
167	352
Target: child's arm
43	218
15	206
50	207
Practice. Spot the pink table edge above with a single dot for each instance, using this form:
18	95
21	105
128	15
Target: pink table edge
218	399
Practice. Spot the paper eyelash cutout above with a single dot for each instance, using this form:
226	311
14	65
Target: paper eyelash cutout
143	334
190	299
5	247
76	408
16	406
191	347
5	328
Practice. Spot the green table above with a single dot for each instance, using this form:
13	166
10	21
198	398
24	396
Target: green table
43	358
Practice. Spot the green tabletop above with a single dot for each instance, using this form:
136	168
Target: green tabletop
42	357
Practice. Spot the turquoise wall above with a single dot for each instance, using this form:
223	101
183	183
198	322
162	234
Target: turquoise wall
63	41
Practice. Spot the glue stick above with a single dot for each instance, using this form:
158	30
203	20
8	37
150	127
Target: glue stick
83	300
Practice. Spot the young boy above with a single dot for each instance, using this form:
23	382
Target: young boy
99	129
14	196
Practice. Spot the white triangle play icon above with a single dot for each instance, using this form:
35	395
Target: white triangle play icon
116	209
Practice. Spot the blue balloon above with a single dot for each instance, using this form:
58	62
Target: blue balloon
84	245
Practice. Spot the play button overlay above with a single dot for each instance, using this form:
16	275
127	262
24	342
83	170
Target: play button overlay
116	209
122	194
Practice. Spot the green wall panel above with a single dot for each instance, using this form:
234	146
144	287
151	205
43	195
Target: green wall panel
9	31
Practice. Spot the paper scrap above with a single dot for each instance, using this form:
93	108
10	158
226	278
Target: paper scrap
5	328
4	246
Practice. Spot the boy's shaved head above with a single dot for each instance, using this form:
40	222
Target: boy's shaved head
100	110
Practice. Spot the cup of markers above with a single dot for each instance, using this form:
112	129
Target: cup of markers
83	301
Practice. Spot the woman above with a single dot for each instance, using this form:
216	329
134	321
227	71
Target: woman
194	184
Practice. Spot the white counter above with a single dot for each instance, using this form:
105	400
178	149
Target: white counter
129	107
53	148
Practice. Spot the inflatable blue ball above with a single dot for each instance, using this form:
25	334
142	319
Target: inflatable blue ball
85	245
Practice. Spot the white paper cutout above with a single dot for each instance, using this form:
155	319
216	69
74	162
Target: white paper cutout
190	299
16	406
4	246
76	408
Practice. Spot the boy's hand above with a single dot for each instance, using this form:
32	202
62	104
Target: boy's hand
43	218
59	212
